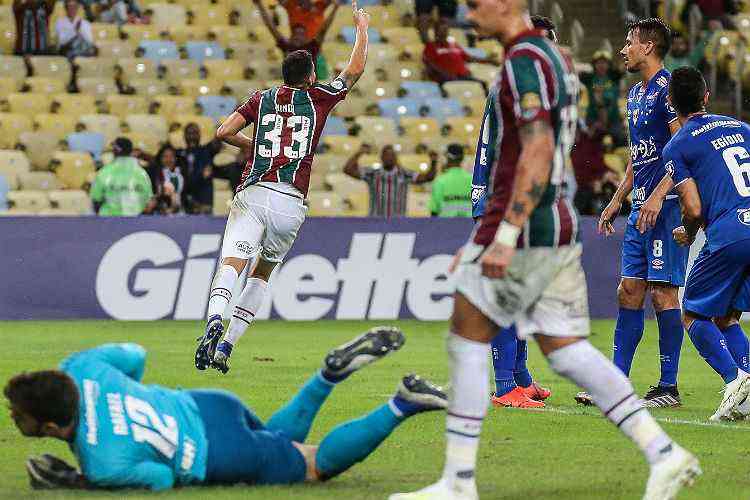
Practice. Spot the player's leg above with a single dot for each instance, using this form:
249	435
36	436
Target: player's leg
296	417
631	294
523	377
737	341
504	358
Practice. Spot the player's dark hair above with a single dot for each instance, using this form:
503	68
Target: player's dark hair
47	396
545	23
687	88
297	67
656	31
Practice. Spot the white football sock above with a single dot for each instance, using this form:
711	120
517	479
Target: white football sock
613	393
221	290
470	387
247	306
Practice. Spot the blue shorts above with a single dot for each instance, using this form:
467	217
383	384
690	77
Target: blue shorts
655	256
719	281
240	448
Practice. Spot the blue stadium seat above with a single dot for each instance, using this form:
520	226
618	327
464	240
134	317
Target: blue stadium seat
4	188
217	106
159	49
368	3
440	109
421	90
476	52
349	34
335	126
87	142
198	51
395	108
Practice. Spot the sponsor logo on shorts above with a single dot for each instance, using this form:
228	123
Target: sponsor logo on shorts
657	264
244	246
743	215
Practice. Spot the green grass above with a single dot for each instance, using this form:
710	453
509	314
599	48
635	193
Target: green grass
566	452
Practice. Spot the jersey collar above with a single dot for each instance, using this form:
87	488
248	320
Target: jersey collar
516	39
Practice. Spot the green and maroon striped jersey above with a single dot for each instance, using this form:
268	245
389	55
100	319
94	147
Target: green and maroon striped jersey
536	83
288	123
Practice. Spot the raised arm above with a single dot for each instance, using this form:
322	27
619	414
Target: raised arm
327	24
351	167
429	175
358	59
268	21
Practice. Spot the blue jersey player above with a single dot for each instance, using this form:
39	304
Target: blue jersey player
514	386
125	434
650	261
709	164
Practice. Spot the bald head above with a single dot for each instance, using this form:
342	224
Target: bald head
502	19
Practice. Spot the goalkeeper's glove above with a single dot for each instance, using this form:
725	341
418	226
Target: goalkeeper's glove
50	472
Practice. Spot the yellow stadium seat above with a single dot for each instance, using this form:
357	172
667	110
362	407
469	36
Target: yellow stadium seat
153	124
195	88
226	34
39	147
241	89
168	14
317	180
464	128
180	69
29	202
136	33
8	85
171	105
29	103
417	204
420	128
146	142
95	67
70	201
492	48
248	52
107	125
463	91
380	54
376	125
149	86
405	145
73	169
116	49
324	204
7	38
475	107
123	105
339	53
458	36
11	126
206	124
329	163
222	201
415	163
221	69
182	34
52	66
485	72
408	70
38	181
137	68
74	104
400	36
221	184
341	144
105	32
6	13
98	87
56	124
384	16
14	163
615	162
207	14
45	85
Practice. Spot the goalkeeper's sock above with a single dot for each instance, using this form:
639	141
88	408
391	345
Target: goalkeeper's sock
738	345
296	417
613	394
244	311
710	343
504	360
628	333
221	290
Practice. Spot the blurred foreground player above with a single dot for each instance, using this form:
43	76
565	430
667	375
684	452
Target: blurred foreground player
523	266
269	208
125	434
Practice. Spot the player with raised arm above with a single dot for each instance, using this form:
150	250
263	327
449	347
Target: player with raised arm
522	265
651	261
269	208
125	434
707	160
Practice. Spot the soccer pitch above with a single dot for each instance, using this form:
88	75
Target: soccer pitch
562	452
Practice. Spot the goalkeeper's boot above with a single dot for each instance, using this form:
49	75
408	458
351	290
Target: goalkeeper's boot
463	489
678	468
735	393
372	345
221	357
537	392
659	396
416	395
204	354
516	398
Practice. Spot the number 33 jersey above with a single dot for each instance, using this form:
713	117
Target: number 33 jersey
130	434
713	151
288	123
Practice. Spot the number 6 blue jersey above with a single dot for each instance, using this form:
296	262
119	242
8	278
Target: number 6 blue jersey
130	434
713	151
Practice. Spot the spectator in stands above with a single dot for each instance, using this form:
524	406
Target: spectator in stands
389	185
451	191
115	11
447	10
592	176
681	55
445	61
74	36
32	26
196	162
720	10
299	39
167	180
122	187
603	87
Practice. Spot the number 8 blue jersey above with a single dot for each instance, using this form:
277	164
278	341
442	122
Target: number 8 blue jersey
130	434
713	151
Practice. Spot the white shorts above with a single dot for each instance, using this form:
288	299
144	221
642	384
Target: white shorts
544	291
262	221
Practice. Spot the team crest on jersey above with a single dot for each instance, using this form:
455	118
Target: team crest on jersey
743	215
662	81
530	104
337	84
635	116
669	167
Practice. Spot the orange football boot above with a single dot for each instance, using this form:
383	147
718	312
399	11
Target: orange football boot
536	392
516	398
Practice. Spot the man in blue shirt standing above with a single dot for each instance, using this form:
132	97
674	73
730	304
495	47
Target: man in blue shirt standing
707	161
125	434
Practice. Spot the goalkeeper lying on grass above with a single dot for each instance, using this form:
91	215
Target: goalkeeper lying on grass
126	434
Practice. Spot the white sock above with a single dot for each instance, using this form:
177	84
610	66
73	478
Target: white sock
221	290
613	394
469	364
244	311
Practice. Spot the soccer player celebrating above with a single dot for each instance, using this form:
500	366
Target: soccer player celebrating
268	208
125	434
522	265
650	261
707	163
